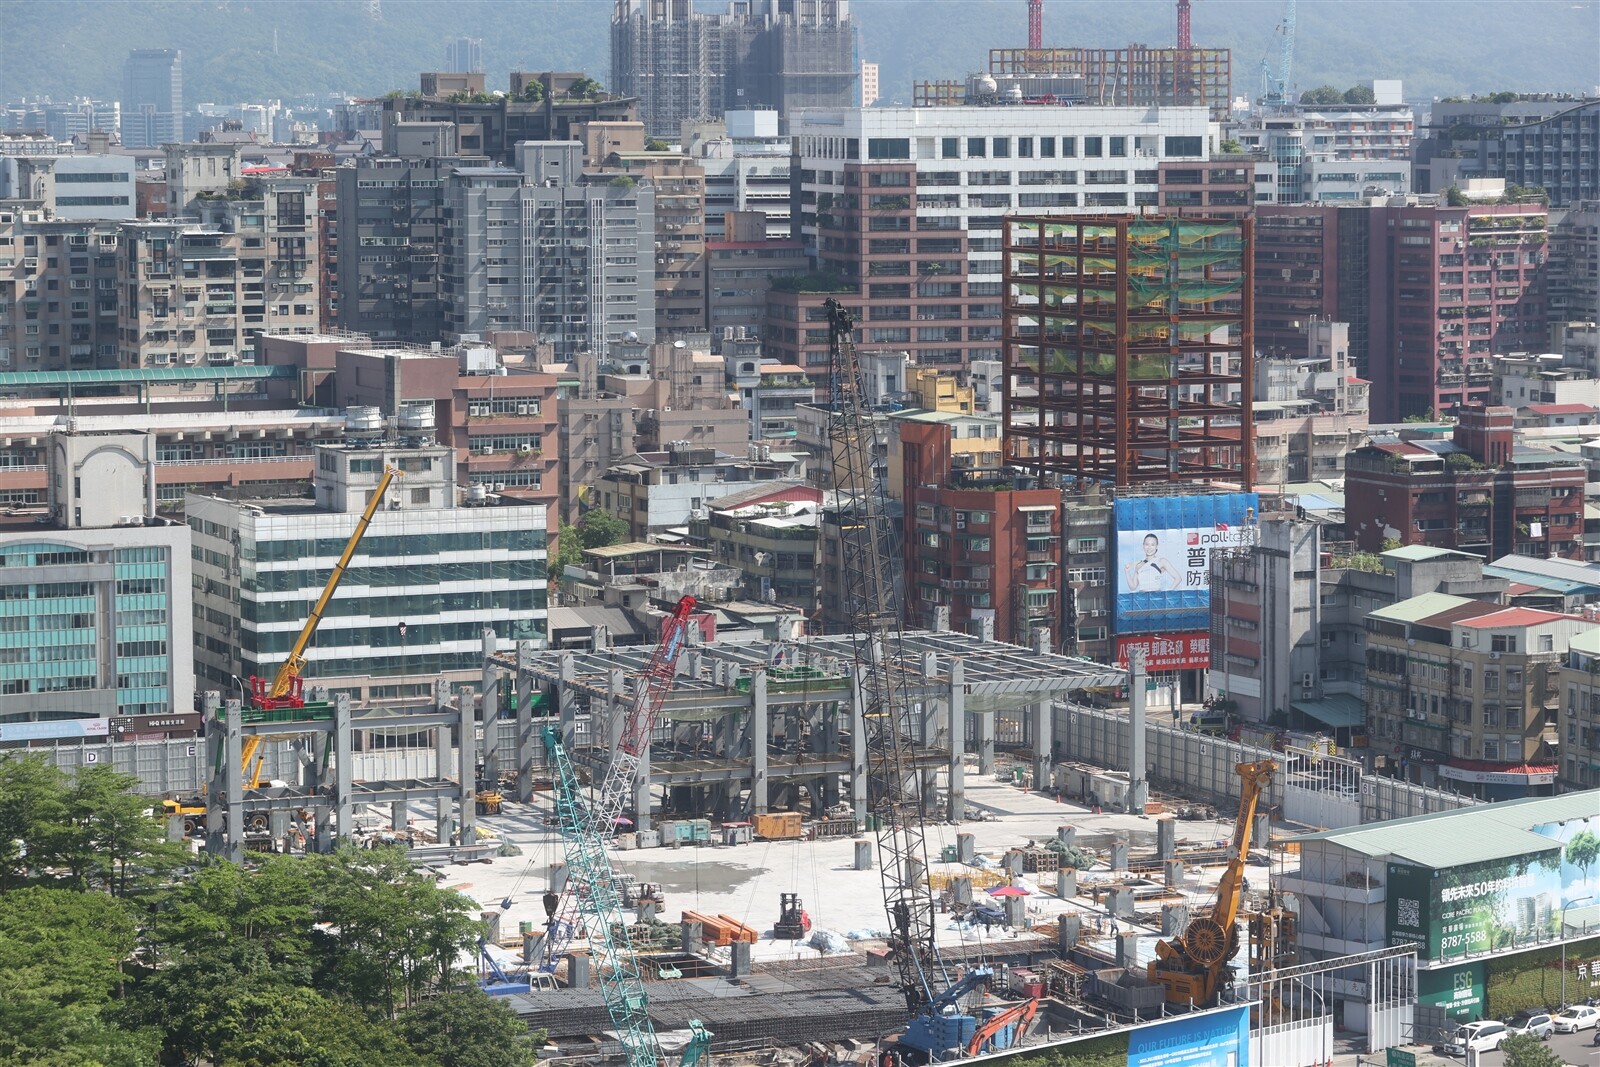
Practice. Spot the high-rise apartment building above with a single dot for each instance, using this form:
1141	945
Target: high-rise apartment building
464	55
902	209
537	249
1128	349
62	120
72	186
1333	155
58	291
689	66
1546	141
434	570
152	97
1430	291
391	224
869	84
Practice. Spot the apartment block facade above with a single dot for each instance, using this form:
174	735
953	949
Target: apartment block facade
1328	156
1430	291
152	97
1579	724
902	210
1478	493
1547	141
537	249
1466	693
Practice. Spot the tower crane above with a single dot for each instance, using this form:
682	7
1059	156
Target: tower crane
1185	36
594	890
1276	90
938	1027
1191	965
1035	24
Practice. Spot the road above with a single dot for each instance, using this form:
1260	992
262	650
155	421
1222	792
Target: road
1576	1049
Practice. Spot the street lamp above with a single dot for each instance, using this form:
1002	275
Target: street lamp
1564	908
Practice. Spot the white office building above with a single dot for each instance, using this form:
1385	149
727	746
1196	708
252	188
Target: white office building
435	568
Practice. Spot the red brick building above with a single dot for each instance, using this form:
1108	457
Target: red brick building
1430	292
1479	493
975	543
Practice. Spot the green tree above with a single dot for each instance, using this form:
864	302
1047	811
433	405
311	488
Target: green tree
1322	95
109	837
1526	1050
584	89
1455	197
61	971
1360	95
32	805
391	935
1583	851
303	1028
469	1028
655	144
533	93
600	529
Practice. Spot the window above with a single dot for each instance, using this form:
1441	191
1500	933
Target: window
1002	148
1047	148
1491	680
1093	147
1182	146
888	148
422	496
1491	715
1503	643
1119	146
1024	147
977	148
949	148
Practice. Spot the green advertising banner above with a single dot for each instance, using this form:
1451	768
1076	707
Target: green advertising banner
1458	990
1480	907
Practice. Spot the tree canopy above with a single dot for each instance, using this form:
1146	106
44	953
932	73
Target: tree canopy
121	950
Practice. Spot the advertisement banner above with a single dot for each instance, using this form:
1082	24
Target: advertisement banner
1499	904
1212	1039
1164	653
1457	990
33	731
1163	563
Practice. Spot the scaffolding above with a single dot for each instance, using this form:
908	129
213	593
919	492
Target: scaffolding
1135	76
1128	348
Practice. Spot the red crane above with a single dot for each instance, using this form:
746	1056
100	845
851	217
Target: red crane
1035	24
1184	40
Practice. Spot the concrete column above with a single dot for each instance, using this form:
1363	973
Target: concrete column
531	943
467	819
956	702
1068	836
1119	901
1261	832
1119	854
1174	919
1067	883
1174	873
567	702
399	815
1016	910
1138	787
344	799
1069	928
941	618
1011	863
739	959
858	752
578	970
863	856
692	937
558	878
225	824
916	871
489	704
1166	837
1042	722
758	743
961	889
641	789
616	710
984	724
441	752
985	628
1127	945
527	737
966	848
491	926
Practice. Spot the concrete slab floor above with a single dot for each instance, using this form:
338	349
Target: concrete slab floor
745	881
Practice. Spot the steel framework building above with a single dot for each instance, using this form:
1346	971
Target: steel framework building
1135	75
1128	348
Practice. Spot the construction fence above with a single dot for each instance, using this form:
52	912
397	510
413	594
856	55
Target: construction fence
1202	767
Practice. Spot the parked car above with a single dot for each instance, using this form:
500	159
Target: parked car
1485	1036
1578	1017
1538	1023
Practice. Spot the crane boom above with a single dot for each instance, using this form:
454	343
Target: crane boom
284	691
866	585
650	692
1191	965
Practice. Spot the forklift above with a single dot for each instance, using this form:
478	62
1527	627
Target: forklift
793	921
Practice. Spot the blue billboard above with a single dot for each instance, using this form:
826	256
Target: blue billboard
1211	1039
1163	557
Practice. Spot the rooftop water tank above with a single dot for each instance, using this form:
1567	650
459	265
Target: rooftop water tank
363	419
416	415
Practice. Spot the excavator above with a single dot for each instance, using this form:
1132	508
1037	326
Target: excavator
286	693
1191	966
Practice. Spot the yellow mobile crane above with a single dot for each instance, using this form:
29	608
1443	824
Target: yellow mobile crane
286	692
1191	965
